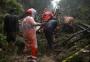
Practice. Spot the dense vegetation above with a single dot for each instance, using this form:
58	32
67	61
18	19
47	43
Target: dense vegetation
73	51
77	8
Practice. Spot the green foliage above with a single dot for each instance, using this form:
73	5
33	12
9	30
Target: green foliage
9	4
2	39
14	4
5	6
37	4
75	59
78	8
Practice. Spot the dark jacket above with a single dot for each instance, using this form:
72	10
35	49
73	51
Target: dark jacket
11	23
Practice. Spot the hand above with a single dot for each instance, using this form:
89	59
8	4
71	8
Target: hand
42	24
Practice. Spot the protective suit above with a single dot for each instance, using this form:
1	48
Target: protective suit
29	33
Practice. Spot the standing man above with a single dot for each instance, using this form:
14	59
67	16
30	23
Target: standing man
11	27
49	27
29	33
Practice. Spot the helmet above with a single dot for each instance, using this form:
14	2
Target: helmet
31	11
47	15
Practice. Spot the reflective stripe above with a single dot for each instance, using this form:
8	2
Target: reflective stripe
33	57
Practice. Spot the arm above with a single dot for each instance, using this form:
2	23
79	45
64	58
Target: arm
32	21
37	24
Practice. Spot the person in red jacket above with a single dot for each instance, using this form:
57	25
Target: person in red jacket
49	26
29	33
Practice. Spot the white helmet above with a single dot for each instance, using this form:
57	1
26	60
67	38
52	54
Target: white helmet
32	12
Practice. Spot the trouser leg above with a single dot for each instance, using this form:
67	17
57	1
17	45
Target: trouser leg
49	37
31	46
34	48
11	37
50	27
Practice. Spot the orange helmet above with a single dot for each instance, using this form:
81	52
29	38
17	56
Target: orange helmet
47	15
31	11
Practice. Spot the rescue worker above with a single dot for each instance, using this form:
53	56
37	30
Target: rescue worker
29	33
11	27
68	24
49	27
